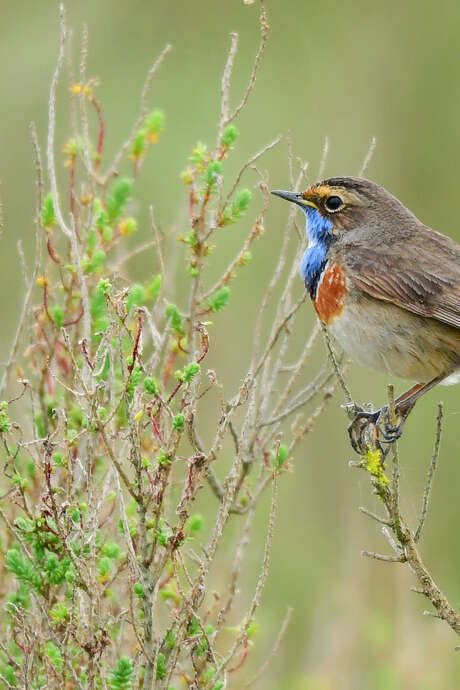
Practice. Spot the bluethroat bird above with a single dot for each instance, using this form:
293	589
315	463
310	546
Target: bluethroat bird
386	285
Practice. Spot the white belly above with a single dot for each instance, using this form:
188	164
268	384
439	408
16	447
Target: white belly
384	337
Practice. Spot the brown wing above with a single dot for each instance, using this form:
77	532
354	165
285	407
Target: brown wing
421	275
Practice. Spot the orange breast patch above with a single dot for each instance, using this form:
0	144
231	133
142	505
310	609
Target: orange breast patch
330	295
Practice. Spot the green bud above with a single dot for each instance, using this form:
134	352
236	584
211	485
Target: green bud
57	314
135	296
59	613
212	173
220	300
48	214
190	371
281	457
177	320
237	208
162	668
119	197
111	549
162	458
195	522
104	285
139	145
229	136
150	385
128	226
107	233
178	422
5	422
103	413
199	153
155	123
138	590
153	290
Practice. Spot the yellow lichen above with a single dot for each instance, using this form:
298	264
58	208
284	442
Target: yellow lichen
373	462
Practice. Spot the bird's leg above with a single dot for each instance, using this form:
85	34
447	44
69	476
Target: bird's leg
404	404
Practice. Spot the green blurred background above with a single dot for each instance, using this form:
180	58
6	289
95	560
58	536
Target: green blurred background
348	70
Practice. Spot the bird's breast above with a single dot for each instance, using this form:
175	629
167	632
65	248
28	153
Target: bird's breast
329	299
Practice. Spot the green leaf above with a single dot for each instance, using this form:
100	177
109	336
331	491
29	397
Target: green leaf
281	457
195	522
134	381
155	123
220	300
212	172
111	549
241	203
119	197
98	307
230	135
55	569
54	655
178	421
60	613
150	385
5	421
23	569
138	590
48	214
8	674
237	208
57	314
58	459
121	676
103	566
161	666
139	145
177	320
153	290
135	296
190	371
199	153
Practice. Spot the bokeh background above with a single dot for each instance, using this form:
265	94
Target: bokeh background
348	71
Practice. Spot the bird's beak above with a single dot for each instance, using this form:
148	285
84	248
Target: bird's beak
296	197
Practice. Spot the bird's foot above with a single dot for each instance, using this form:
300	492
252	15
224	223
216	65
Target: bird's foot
362	430
370	428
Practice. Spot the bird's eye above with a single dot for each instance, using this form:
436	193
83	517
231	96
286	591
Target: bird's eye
333	203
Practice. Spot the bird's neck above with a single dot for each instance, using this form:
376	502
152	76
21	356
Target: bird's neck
320	238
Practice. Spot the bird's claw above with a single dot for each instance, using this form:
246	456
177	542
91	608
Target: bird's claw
362	427
369	429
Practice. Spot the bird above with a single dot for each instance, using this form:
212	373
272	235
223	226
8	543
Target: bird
386	285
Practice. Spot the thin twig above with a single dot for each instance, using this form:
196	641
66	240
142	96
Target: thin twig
431	473
335	364
368	157
273	653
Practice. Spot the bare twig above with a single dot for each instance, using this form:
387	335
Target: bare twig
431	473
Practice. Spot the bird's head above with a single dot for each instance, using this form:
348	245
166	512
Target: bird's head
340	204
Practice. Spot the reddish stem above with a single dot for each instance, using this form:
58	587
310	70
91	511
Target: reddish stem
174	392
243	657
156	428
45	304
140	322
72	322
204	343
51	251
84	349
101	134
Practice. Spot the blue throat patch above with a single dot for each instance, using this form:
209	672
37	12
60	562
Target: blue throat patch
320	239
